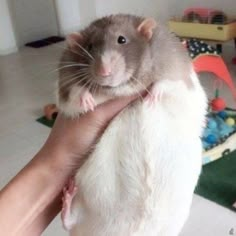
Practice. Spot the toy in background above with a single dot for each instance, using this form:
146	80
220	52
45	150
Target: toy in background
206	58
204	16
198	24
219	137
218	103
50	111
205	24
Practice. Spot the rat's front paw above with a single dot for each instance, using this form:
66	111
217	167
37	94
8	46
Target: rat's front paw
87	102
78	103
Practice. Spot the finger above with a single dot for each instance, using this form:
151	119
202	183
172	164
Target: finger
106	111
103	113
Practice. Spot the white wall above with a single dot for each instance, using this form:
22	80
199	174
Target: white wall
161	9
154	8
138	7
87	11
74	15
68	15
33	19
7	37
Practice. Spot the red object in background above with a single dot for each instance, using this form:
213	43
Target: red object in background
215	65
234	60
218	104
205	15
202	12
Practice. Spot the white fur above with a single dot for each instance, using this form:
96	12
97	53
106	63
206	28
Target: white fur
72	107
140	179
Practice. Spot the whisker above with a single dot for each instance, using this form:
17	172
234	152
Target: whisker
71	79
54	46
61	62
94	88
79	71
77	64
62	85
141	85
81	47
79	91
46	74
66	48
75	52
80	64
67	66
53	65
91	86
76	84
86	84
97	89
139	94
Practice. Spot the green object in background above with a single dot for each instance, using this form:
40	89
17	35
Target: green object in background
43	120
217	181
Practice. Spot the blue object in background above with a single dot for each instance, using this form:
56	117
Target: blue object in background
223	114
212	124
211	139
217	130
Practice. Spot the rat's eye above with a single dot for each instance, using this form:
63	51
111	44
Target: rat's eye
90	47
121	40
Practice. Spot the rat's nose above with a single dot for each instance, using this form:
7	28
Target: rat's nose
104	70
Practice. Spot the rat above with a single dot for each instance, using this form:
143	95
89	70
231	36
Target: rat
140	178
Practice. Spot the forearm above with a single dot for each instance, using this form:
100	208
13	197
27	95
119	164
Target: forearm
30	201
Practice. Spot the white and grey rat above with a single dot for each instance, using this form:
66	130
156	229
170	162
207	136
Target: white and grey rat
140	178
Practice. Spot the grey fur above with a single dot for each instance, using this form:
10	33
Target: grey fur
163	57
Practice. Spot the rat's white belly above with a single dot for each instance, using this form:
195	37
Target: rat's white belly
141	177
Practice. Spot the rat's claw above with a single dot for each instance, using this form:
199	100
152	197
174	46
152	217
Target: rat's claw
71	188
91	103
87	101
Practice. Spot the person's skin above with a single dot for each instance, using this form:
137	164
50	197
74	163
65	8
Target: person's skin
33	198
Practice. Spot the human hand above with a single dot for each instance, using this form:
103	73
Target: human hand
44	177
71	139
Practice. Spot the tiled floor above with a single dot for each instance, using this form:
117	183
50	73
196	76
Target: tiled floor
26	86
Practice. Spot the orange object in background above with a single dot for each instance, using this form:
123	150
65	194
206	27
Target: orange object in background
50	111
215	65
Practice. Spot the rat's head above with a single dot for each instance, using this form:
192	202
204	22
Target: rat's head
111	51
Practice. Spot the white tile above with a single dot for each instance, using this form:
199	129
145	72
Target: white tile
209	219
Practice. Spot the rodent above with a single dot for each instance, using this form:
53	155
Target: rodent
140	178
116	56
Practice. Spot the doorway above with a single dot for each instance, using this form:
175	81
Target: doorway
33	20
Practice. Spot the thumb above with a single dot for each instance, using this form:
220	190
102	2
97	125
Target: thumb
108	110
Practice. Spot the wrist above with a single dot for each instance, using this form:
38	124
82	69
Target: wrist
58	161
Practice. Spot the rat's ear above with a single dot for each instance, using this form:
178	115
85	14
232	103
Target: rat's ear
74	39
146	28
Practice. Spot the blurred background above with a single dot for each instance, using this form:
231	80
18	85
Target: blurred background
23	21
29	70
